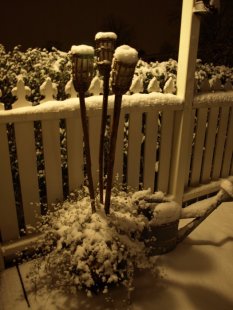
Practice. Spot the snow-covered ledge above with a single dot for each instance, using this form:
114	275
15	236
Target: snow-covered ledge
69	107
210	99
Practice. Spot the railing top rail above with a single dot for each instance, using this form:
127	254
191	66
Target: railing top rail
219	99
68	108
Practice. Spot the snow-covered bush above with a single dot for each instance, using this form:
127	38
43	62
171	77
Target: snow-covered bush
209	72
164	75
34	65
162	71
91	251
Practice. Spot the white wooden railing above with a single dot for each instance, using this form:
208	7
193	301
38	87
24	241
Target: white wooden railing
145	148
144	114
210	144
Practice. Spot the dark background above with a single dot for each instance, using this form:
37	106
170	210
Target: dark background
152	26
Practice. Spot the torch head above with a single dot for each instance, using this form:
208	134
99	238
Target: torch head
104	49
82	66
123	67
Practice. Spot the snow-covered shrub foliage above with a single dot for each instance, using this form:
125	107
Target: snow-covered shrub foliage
162	71
209	72
91	251
34	65
167	70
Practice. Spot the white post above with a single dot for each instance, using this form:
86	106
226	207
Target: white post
189	36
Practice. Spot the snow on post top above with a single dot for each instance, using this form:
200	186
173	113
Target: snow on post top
105	35
82	50
126	54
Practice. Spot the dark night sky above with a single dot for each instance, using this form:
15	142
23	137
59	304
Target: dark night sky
35	23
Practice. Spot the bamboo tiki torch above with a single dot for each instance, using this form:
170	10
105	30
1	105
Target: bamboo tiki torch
82	73
123	66
104	48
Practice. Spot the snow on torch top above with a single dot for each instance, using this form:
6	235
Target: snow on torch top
123	66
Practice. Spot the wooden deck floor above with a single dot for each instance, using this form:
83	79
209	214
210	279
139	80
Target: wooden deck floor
198	274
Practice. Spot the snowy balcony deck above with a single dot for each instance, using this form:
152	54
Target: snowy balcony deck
198	274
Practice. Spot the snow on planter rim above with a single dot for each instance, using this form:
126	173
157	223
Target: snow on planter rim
126	54
82	49
105	35
166	212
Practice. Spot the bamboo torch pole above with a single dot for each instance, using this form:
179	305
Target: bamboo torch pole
105	44
112	150
82	72
124	62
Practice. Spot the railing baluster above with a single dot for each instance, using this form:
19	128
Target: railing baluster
165	150
220	142
209	144
8	216
52	157
24	133
199	146
94	133
189	149
151	136
74	134
134	149
228	150
118	165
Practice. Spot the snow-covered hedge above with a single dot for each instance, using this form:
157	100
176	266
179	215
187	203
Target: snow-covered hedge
35	65
166	71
